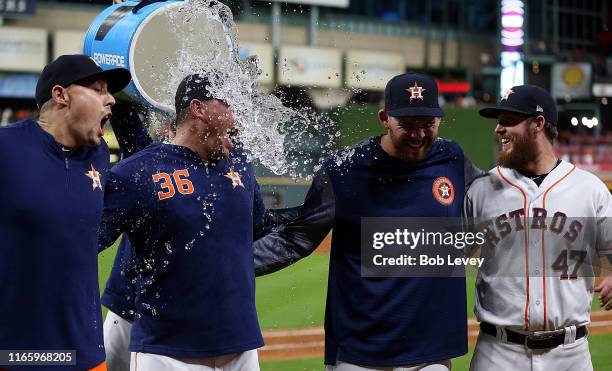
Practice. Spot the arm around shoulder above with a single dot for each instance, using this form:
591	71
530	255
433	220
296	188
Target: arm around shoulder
303	234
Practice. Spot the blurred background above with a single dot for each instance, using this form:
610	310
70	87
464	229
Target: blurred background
335	57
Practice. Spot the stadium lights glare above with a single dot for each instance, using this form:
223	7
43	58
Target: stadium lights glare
512	21
574	121
512	6
512	39
512	34
589	123
512	42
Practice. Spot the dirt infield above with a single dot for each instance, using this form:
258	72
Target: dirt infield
308	342
325	246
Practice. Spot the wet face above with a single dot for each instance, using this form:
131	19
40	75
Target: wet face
517	145
410	137
89	110
219	126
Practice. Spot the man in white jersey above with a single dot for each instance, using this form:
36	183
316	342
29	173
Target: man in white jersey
532	301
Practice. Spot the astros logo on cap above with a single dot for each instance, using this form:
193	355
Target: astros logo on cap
443	191
416	91
505	97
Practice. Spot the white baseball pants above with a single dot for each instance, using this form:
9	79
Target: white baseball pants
246	361
116	341
493	354
434	366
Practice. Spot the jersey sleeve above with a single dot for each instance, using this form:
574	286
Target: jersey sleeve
119	210
470	218
259	212
119	292
129	129
266	220
298	238
470	171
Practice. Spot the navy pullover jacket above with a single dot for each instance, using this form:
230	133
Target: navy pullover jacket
191	226
50	209
378	321
118	296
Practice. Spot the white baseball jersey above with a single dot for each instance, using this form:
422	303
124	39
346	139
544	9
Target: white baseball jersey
528	280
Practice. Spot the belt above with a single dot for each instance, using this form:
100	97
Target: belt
534	341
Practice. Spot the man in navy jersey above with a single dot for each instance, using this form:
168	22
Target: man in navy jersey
118	296
120	289
190	209
374	323
54	170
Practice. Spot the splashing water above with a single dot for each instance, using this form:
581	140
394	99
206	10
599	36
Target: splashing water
278	137
285	140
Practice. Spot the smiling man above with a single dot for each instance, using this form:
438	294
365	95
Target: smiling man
533	314
53	171
388	323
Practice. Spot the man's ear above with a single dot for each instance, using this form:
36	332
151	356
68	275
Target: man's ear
540	123
383	117
60	96
197	109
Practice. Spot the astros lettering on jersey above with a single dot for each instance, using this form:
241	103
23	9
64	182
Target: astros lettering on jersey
537	299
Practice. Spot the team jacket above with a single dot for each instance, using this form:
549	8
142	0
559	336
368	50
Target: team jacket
50	209
118	295
545	243
120	288
191	226
378	321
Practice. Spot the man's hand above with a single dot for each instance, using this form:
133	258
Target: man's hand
605	293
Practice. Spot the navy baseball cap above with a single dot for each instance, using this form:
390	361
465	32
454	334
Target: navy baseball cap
412	94
529	100
194	86
73	68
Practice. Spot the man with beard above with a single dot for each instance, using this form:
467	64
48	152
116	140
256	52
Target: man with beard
532	301
390	322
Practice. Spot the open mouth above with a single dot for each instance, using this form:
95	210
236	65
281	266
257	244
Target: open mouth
105	120
504	141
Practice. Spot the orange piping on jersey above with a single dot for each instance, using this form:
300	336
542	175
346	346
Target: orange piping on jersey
543	256
526	245
544	268
100	367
